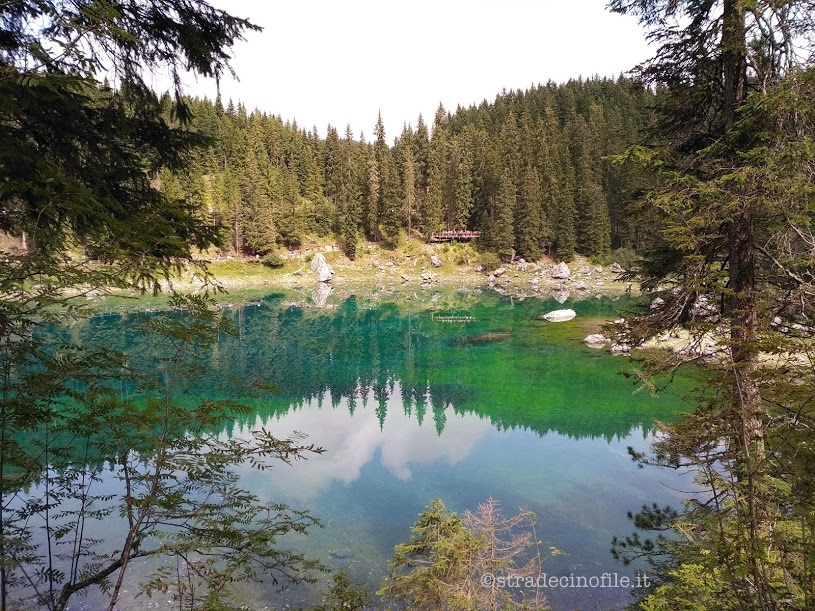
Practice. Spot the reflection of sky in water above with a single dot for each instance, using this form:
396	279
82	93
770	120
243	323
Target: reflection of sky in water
354	440
370	485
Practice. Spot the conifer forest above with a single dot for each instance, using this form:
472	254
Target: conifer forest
532	171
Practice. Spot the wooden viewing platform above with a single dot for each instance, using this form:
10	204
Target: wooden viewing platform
458	234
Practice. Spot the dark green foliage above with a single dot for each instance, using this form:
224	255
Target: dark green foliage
529	217
75	157
116	174
501	235
732	258
265	182
343	595
489	261
273	260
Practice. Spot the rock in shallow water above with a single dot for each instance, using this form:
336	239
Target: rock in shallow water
558	315
596	340
481	338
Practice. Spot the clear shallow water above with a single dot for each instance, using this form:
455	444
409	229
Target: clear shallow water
410	407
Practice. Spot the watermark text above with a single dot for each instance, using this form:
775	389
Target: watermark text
606	580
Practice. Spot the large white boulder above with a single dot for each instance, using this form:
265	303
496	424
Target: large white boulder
321	268
559	315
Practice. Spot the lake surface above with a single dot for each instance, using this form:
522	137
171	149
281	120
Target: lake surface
449	396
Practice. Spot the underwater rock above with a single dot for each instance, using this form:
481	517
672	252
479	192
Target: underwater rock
342	553
482	338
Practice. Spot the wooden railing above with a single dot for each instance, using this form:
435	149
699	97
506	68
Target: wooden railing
459	234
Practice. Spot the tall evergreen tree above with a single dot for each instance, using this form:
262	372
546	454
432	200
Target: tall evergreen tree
462	201
594	231
528	217
720	209
409	189
502	234
437	174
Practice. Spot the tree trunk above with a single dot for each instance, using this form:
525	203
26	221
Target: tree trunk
747	408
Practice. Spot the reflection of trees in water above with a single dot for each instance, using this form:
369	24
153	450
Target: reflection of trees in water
358	354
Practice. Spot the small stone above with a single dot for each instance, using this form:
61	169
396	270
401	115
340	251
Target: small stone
596	340
620	349
499	272
435	261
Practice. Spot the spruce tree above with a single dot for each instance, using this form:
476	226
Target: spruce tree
736	128
437	174
502	235
528	219
462	202
593	227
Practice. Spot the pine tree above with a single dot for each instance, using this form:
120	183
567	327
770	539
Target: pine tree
409	189
502	235
528	219
437	175
593	229
390	200
565	214
420	144
374	196
462	202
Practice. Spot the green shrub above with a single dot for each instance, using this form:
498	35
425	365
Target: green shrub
462	254
489	261
273	260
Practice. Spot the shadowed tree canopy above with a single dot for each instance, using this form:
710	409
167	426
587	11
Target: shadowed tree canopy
77	155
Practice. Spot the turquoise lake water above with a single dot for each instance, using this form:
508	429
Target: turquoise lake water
450	396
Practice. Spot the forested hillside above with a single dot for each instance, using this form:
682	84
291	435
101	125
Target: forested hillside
530	171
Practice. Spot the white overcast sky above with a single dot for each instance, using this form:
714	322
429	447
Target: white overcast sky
342	61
